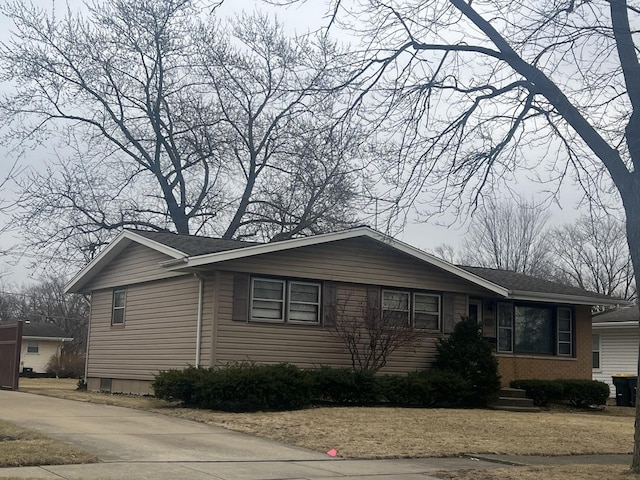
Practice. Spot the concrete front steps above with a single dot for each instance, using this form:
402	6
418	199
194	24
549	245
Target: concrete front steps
513	400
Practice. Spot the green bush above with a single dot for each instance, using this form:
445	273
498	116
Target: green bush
580	393
466	353
344	386
394	389
246	387
584	393
430	388
542	392
178	384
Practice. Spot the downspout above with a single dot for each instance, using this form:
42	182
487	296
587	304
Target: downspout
86	355
199	322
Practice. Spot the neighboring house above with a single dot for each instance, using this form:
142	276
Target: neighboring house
40	342
615	344
162	301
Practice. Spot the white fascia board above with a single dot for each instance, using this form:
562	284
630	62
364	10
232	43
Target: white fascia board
52	339
118	244
245	252
563	298
627	324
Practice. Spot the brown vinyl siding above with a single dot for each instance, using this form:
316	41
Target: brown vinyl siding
159	330
309	346
353	261
135	264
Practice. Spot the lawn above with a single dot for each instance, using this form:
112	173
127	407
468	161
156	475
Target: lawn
562	472
21	447
401	432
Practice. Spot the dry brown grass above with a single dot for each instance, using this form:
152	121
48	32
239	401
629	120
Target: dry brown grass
66	388
407	432
21	447
556	472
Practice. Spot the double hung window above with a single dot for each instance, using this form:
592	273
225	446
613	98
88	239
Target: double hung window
275	300
33	346
595	351
421	310
118	306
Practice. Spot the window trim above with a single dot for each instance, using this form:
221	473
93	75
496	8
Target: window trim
288	301
122	308
555	312
30	346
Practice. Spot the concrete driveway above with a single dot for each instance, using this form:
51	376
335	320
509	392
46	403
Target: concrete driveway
124	434
134	444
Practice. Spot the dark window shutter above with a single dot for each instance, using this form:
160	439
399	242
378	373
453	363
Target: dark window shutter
373	302
448	313
240	298
330	304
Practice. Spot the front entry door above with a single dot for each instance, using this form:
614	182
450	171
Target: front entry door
475	312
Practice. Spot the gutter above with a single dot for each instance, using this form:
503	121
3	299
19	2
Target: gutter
56	339
561	298
199	321
174	262
625	324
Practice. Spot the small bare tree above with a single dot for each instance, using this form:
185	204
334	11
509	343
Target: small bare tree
371	335
593	254
508	235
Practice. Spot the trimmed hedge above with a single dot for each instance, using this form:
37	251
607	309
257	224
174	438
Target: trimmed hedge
237	387
584	393
580	393
344	386
435	387
542	392
244	387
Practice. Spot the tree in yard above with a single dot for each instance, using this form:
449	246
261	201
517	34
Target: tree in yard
593	254
472	91
466	353
166	120
508	235
371	335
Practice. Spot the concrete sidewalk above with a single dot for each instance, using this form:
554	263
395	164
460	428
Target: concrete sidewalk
415	469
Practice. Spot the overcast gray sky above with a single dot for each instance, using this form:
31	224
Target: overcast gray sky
301	18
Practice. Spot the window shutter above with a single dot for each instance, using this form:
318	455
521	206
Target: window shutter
240	298
373	302
330	304
448	313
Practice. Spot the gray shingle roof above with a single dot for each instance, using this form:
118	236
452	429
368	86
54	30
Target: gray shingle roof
35	329
193	245
626	314
527	283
